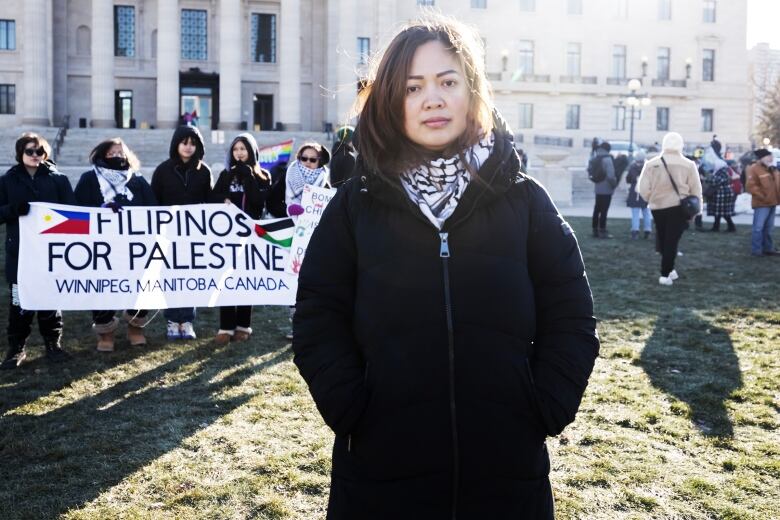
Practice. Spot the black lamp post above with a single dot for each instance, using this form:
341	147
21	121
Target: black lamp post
635	99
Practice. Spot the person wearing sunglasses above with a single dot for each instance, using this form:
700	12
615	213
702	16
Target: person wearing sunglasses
309	167
33	179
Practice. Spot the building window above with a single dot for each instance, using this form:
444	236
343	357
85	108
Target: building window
479	4
664	9
706	119
7	35
526	115
526	64
622	9
363	49
528	5
663	62
574	7
7	99
124	31
194	34
573	59
618	118
662	118
263	38
709	11
425	2
619	61
708	65
572	117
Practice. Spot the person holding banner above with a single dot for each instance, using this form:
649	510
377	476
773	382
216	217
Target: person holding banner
444	322
309	167
182	179
34	178
243	183
115	182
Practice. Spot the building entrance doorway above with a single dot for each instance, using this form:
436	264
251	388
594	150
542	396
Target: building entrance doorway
199	93
264	112
196	106
123	108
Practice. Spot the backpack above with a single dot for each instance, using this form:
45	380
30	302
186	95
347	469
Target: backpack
596	172
621	163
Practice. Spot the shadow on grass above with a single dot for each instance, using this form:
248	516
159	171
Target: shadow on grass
694	361
74	453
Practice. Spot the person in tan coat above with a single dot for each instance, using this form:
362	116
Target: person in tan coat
763	184
655	186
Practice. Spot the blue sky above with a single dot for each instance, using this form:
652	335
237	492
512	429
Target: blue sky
763	23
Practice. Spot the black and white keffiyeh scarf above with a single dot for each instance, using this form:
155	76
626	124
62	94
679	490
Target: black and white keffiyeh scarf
298	176
113	182
437	187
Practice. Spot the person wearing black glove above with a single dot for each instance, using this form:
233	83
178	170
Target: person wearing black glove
246	185
33	179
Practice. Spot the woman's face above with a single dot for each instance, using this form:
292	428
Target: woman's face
31	158
310	158
437	98
186	149
240	152
115	151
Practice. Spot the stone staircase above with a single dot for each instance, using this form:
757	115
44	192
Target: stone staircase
9	135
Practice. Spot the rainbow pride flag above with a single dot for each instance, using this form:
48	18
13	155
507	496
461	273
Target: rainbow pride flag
271	155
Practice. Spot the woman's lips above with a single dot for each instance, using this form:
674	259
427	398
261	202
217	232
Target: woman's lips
436	122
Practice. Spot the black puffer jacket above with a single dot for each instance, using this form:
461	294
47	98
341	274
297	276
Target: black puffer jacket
88	191
442	375
16	186
178	183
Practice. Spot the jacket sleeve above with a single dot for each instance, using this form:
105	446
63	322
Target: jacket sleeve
289	196
147	194
752	185
326	352
157	183
87	191
6	211
65	191
609	168
645	183
694	181
566	343
220	191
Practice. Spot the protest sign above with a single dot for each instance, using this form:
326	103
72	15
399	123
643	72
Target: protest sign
314	200
204	255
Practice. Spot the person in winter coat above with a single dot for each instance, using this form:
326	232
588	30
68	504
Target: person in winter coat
309	167
763	184
658	189
342	161
182	179
34	178
115	182
444	322
722	203
603	190
637	204
275	203
246	185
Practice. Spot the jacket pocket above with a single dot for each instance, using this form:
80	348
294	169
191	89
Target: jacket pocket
351	436
533	402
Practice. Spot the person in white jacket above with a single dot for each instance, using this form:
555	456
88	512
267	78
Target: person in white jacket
309	167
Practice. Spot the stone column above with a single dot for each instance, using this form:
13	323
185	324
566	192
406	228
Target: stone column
230	54
37	81
347	60
103	64
168	55
290	65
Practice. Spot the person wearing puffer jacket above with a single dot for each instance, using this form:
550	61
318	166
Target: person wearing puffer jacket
309	167
182	179
246	185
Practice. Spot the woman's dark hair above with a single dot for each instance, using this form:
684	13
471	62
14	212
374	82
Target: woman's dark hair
380	135
317	147
99	152
252	160
31	137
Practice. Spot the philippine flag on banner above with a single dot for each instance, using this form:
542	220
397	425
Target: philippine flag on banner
66	222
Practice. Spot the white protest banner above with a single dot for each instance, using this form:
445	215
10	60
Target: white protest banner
314	200
204	255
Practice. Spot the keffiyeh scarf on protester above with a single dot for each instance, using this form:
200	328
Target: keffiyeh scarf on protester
298	176
437	187
113	183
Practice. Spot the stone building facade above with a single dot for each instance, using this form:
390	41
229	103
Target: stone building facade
559	68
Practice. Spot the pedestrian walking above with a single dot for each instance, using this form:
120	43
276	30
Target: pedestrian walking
763	184
601	170
634	201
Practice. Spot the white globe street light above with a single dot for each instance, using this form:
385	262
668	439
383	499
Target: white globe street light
635	99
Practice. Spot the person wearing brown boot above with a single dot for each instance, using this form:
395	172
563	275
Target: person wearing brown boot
136	321
105	330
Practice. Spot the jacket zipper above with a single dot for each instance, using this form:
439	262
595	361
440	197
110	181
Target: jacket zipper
444	253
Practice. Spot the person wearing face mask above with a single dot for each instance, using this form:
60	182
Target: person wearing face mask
33	179
246	185
763	184
444	323
182	179
309	167
114	182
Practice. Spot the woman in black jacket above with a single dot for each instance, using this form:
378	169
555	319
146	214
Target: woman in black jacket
33	179
182	179
243	183
114	182
444	322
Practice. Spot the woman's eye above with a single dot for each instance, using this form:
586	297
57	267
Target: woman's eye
412	89
449	83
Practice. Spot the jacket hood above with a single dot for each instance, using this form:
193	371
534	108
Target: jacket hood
179	135
249	142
